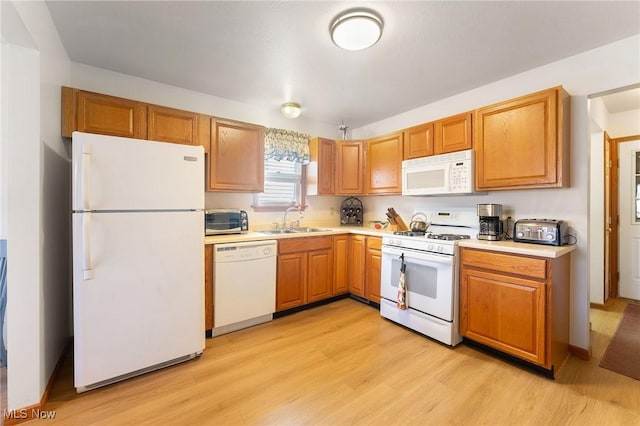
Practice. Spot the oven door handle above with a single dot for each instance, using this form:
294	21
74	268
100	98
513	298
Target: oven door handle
423	258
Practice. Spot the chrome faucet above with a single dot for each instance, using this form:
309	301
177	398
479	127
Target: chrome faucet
284	218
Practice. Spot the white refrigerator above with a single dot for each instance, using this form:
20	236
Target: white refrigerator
138	256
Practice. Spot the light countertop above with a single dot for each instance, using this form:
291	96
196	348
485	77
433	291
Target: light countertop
258	236
502	246
519	248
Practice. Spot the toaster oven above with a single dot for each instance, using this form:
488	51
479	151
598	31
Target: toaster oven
541	231
225	221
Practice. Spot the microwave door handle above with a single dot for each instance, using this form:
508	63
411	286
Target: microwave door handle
447	171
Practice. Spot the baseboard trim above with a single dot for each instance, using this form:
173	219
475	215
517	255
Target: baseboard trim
35	411
584	354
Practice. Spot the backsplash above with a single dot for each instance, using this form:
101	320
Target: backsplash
325	210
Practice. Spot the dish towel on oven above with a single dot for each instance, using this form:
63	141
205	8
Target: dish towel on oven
401	303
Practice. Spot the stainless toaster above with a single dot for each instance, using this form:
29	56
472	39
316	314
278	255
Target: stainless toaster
541	231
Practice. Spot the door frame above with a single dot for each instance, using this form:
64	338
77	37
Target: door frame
614	210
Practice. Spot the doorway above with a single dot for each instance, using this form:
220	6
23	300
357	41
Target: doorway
628	217
615	118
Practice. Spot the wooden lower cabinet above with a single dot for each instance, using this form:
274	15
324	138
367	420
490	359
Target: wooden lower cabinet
516	304
357	269
304	271
365	266
208	286
341	262
373	266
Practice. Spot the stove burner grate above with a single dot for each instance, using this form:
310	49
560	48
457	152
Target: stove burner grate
410	233
448	237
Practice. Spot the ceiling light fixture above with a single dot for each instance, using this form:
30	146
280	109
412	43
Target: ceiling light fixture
356	29
291	109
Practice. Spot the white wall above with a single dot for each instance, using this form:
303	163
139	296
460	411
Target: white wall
611	66
38	201
24	347
624	124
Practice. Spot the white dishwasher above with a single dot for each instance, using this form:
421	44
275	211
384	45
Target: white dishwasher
244	284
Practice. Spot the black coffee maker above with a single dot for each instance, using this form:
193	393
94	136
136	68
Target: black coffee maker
490	216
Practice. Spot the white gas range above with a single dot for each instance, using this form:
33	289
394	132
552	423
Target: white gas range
430	260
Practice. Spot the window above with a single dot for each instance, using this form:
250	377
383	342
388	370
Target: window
283	185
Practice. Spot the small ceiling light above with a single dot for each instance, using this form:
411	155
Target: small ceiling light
290	109
356	29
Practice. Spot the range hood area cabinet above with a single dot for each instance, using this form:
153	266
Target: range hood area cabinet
524	142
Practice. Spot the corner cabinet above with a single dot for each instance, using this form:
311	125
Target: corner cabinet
357	270
236	157
516	304
349	164
384	165
341	260
373	267
524	142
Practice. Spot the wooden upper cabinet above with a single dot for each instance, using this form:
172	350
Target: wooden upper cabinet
453	133
349	167
108	115
523	143
321	175
384	164
172	125
418	141
236	157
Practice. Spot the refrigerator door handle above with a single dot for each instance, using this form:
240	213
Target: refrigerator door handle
87	267
85	173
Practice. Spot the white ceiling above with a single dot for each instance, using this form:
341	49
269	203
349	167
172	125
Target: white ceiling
267	52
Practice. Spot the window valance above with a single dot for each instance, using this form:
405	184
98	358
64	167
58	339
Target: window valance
281	144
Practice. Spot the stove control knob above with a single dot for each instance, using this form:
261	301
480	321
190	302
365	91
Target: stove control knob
550	237
430	247
520	234
439	249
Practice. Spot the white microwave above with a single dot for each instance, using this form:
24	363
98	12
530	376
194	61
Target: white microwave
444	174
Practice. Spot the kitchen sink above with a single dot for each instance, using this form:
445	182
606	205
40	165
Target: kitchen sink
303	230
310	229
276	231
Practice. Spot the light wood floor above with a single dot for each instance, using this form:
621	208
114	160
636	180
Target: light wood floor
343	364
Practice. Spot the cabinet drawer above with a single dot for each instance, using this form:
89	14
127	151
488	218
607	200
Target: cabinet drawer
293	245
507	263
374	243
